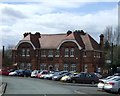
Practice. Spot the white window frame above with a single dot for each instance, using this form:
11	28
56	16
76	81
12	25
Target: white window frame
65	67
43	53
72	52
85	67
73	67
50	53
84	54
56	67
23	52
22	65
43	66
57	53
66	52
27	52
29	65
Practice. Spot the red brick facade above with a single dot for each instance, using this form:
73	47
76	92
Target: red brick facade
74	51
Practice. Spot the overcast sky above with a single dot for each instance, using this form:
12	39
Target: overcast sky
55	16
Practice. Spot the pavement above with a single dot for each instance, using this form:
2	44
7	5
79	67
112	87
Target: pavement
3	86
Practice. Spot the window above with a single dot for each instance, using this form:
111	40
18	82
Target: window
43	53
66	52
50	53
73	67
23	52
95	54
43	66
28	66
72	52
99	55
84	54
28	52
65	67
57	53
56	67
37	52
22	66
85	67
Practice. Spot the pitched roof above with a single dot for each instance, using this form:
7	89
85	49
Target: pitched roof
86	41
52	41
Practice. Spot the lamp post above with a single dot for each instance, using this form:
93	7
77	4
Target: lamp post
112	59
3	53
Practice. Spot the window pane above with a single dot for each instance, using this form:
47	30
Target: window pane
43	53
65	67
23	52
50	53
28	52
66	52
72	52
57	53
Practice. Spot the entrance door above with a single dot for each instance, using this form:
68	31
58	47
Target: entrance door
50	68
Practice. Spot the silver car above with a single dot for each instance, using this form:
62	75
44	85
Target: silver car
113	85
102	81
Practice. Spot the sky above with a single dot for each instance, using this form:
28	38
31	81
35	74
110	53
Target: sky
54	17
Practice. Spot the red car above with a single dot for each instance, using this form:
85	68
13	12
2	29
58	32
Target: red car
42	74
4	72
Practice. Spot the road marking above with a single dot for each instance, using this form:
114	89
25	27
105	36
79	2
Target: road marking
78	92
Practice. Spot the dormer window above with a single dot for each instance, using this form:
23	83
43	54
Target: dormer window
66	52
28	52
57	53
23	52
50	53
84	54
72	52
43	53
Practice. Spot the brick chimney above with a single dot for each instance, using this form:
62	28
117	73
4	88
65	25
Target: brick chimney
37	34
25	34
69	32
102	41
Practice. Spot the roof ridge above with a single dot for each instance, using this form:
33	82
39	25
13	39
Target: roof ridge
54	34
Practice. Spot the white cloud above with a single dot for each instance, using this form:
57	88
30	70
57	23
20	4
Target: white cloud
48	19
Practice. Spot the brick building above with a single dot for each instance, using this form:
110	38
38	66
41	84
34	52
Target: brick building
73	51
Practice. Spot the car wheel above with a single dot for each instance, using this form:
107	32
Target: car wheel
73	81
93	82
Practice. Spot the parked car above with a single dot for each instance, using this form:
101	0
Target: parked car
102	81
19	72
67	77
98	75
85	78
113	85
59	75
42	74
27	73
34	73
49	75
4	72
